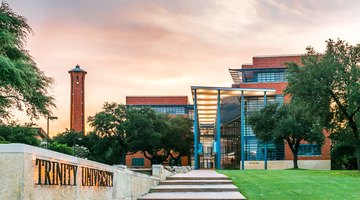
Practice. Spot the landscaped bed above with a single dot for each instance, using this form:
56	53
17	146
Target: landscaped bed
296	184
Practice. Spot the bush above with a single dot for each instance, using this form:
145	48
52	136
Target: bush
62	148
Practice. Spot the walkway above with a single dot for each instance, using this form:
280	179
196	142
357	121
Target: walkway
197	185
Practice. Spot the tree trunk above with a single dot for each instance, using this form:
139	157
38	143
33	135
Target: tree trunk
122	156
357	153
189	159
295	161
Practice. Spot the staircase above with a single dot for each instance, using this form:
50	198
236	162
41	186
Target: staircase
197	185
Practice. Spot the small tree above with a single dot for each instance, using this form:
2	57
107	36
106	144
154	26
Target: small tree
328	87
62	148
180	138
22	84
286	123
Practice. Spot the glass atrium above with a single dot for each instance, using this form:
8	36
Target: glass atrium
222	137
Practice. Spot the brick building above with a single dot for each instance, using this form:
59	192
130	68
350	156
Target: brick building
171	105
269	72
221	136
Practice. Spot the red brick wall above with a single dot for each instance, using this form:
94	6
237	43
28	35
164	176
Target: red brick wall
157	100
279	87
77	106
147	163
274	61
325	150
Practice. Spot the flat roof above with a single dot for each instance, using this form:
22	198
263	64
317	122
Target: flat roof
157	100
207	99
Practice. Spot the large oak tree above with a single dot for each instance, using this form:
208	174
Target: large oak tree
328	86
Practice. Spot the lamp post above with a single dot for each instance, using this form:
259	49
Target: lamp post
47	128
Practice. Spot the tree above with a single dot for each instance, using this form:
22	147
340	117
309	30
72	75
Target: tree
15	133
62	148
70	137
147	132
180	138
285	123
22	84
109	126
327	86
76	140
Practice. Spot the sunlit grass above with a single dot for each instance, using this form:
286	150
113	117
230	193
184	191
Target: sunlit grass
296	184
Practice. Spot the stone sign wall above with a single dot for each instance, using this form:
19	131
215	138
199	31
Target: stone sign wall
28	172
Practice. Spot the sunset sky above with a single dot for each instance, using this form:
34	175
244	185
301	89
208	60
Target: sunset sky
162	47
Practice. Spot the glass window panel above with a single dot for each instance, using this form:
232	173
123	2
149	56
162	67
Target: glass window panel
309	150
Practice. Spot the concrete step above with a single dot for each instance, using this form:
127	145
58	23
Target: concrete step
194	188
196	178
195	182
193	196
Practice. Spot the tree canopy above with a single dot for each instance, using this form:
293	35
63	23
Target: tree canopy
120	130
22	84
148	132
16	133
288	123
180	138
328	86
109	126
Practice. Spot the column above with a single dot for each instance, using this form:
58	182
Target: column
218	134
242	128
265	144
196	133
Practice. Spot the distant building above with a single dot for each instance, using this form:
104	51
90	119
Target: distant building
40	133
77	100
171	105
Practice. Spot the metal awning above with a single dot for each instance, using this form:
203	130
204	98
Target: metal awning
206	99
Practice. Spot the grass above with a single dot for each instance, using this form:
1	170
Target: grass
296	184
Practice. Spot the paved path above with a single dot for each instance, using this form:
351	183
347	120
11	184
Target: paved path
197	185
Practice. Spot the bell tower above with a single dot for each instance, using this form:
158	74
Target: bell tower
77	96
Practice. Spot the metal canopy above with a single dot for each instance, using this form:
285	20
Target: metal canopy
207	101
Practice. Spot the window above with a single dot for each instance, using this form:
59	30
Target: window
170	109
137	162
309	150
271	77
264	75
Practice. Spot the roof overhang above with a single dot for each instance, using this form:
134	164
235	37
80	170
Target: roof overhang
207	99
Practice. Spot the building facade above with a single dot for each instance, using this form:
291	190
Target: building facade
222	137
171	105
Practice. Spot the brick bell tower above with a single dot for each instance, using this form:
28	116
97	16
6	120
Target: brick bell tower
77	96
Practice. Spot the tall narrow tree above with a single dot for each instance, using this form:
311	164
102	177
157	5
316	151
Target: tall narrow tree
22	84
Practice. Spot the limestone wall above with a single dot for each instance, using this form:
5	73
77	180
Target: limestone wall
286	164
19	174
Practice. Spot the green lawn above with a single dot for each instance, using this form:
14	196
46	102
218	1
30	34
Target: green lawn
296	184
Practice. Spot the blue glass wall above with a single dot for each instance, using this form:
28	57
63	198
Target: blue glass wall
254	149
